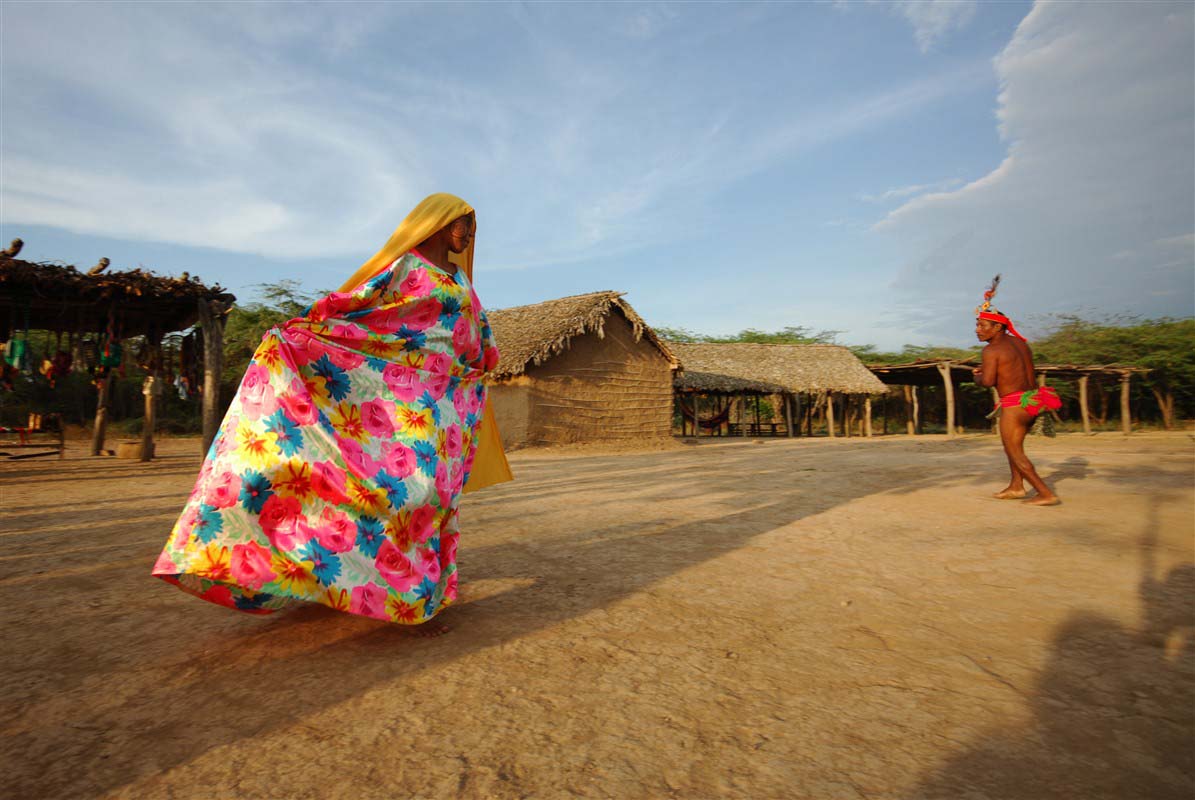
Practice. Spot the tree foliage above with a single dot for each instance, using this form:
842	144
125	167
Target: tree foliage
247	323
794	334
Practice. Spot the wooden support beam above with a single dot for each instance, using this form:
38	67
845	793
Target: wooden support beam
152	389
948	385
960	426
867	416
101	415
916	412
910	426
696	416
742	415
788	414
211	322
830	413
1126	414
1083	410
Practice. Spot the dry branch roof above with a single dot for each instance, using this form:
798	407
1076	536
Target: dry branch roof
772	368
58	297
925	371
530	335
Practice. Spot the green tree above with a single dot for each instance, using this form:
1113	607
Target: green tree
247	323
1164	346
794	334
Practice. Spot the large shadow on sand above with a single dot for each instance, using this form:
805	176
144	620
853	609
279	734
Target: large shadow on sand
206	678
1113	710
233	677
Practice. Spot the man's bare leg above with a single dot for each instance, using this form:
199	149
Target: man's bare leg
1016	484
1014	425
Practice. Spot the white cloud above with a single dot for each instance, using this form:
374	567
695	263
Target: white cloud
902	192
931	20
934	19
1093	205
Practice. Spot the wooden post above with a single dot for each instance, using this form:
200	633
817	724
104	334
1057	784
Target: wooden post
830	413
845	406
910	424
1083	412
743	415
211	321
867	416
758	429
960	426
948	385
1126	416
151	389
788	414
696	415
101	415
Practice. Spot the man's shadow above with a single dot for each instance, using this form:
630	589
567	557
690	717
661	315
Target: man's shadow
1075	468
1113	710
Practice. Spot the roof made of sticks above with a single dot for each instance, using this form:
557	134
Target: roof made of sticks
928	371
530	335
58	297
767	368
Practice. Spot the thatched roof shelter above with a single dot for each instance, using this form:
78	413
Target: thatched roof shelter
741	368
530	335
58	297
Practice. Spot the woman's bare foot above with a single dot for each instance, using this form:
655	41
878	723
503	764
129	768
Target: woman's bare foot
1044	500
427	630
1010	494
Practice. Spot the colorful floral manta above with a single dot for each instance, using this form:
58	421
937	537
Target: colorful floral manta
336	474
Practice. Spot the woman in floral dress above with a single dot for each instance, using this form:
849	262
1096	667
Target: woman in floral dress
336	475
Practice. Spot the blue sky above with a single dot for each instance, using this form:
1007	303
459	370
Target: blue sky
863	167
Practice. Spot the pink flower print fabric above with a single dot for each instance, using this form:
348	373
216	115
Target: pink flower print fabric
337	472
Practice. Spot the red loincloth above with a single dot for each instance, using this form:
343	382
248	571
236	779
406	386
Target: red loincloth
1033	401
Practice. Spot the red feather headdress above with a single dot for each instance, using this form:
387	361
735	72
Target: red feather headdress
985	311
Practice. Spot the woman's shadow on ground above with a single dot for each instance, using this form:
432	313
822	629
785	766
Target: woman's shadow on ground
231	677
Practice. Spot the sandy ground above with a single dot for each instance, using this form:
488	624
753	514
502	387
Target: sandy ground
779	619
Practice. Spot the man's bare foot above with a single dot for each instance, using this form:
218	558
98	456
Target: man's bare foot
1046	500
1010	494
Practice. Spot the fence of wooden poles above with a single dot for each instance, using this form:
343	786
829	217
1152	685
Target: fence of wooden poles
949	374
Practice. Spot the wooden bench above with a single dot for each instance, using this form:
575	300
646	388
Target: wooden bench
42	432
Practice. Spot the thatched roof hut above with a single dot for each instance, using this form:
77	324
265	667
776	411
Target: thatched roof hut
771	369
585	368
530	335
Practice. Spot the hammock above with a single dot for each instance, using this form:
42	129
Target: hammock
709	422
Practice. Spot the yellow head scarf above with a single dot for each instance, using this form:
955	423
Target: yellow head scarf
436	211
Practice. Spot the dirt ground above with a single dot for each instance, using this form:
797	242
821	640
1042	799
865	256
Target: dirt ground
776	619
